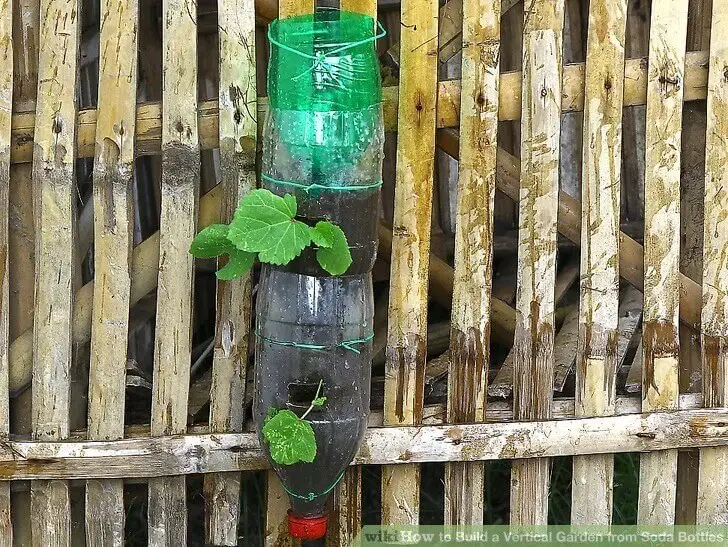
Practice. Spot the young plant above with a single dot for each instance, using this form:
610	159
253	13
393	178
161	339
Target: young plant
291	439
265	226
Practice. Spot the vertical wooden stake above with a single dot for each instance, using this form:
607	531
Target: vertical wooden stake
113	226
660	390
407	329
238	132
55	212
180	187
599	290
538	206
6	109
470	335
713	480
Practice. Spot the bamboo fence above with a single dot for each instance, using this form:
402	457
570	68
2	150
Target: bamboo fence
45	128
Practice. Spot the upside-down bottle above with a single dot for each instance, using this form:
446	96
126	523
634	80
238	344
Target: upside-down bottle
323	142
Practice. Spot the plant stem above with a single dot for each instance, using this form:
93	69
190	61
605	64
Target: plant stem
310	408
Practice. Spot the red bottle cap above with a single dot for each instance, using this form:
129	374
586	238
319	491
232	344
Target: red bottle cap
307	527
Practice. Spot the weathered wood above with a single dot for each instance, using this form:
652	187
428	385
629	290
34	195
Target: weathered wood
54	199
471	308
407	329
630	314
6	108
26	30
397	446
596	361
502	385
238	128
276	510
713	480
631	253
538	206
145	262
291	8
178	220
349	504
149	115
658	471
113	226
368	7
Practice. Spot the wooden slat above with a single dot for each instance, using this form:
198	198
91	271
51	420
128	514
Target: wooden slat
538	206
369	7
6	109
113	227
665	88
407	329
167	514
348	507
470	334
713	481
238	133
276	511
597	356
630	315
55	198
143	457
291	8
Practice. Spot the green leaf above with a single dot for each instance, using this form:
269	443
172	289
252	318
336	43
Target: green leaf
291	439
323	234
337	259
211	242
264	223
318	401
238	265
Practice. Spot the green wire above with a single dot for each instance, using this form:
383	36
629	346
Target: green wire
346	344
311	495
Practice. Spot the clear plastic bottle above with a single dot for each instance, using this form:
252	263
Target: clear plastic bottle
323	142
322	312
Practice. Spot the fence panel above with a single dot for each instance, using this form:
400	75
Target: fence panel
668	33
471	430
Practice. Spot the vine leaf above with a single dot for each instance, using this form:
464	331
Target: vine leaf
238	264
337	258
265	223
290	438
323	234
211	242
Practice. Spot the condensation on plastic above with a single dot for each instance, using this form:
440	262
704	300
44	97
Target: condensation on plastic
320	311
